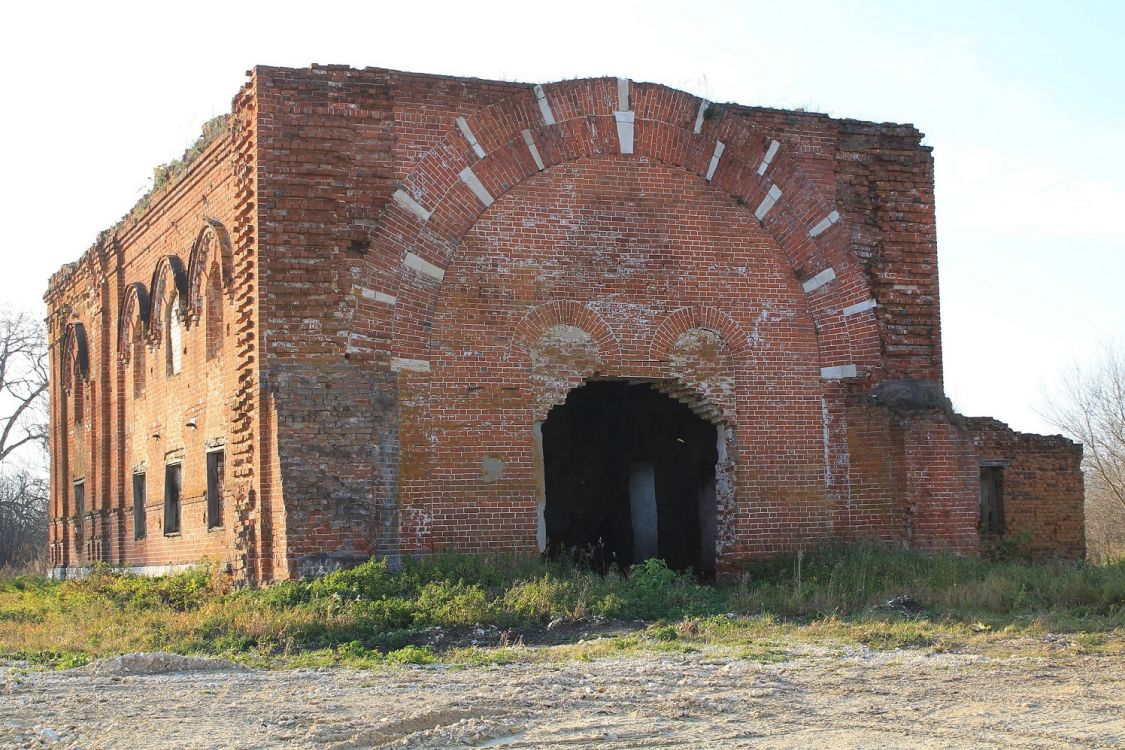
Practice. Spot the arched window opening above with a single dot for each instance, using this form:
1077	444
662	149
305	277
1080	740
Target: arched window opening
214	312
174	337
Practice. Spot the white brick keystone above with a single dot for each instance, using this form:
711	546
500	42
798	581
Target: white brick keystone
770	153
859	307
533	149
719	148
472	139
411	365
838	372
417	263
623	94
625	131
403	199
544	105
703	105
376	295
826	222
767	203
470	178
816	282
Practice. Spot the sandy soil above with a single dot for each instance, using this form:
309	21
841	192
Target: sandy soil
814	697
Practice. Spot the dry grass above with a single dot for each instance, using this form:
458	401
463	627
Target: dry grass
369	616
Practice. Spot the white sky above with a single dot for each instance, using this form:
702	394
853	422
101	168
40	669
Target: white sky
1023	102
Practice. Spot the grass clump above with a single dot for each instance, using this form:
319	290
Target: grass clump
870	595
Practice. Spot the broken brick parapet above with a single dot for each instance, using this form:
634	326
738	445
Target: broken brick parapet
1043	486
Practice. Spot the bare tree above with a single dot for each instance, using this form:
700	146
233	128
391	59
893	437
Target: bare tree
1090	408
23	381
23	516
23	425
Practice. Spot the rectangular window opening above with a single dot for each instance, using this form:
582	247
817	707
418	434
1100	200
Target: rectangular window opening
140	491
216	461
992	500
173	484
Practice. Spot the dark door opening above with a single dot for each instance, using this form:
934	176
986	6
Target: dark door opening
629	474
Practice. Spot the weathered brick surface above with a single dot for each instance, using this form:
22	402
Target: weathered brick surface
400	313
1043	486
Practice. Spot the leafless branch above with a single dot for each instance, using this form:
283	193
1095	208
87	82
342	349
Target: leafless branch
23	381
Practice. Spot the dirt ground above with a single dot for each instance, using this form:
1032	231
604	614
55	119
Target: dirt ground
811	697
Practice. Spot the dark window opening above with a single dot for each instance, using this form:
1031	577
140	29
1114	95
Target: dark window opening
173	484
79	498
215	465
629	474
140	491
992	500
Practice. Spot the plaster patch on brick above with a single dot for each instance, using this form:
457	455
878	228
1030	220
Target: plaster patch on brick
824	223
399	364
770	153
472	139
403	199
470	178
544	106
718	154
859	307
726	531
491	469
767	203
540	488
417	263
816	282
530	141
837	372
703	104
623	94
625	130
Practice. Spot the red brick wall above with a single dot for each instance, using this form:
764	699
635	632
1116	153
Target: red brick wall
377	357
110	294
1043	486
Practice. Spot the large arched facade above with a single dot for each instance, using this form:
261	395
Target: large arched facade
348	326
647	221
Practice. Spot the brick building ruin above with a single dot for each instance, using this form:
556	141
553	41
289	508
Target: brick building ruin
385	313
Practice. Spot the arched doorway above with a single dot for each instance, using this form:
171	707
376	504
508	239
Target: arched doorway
629	473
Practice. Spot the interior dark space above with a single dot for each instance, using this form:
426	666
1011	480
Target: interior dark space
629	475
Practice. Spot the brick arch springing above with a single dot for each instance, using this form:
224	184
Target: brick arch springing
168	269
211	244
565	313
133	315
688	318
491	151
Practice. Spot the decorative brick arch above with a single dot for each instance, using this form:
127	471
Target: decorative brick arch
168	269
134	312
212	244
707	318
565	313
493	150
75	355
